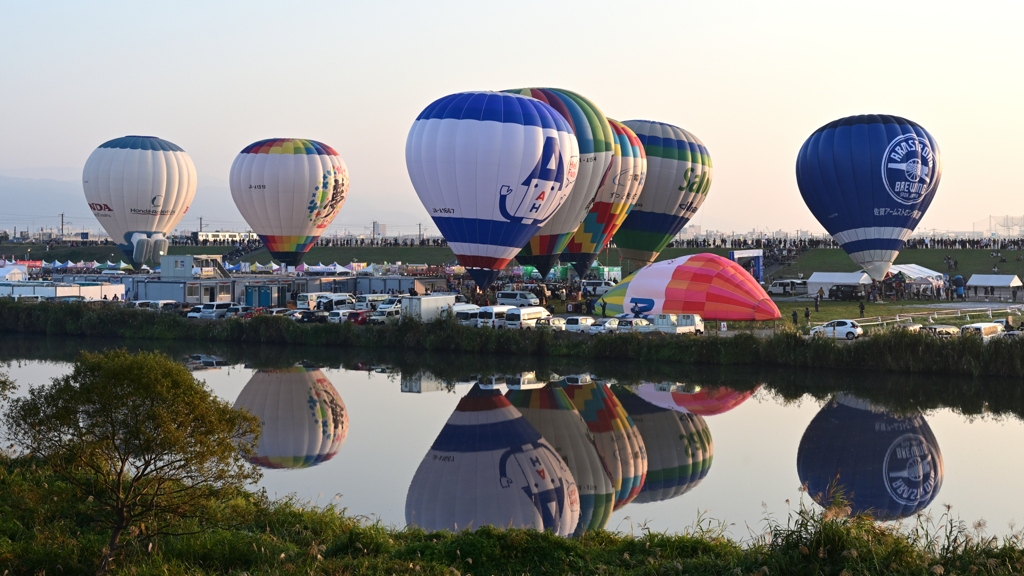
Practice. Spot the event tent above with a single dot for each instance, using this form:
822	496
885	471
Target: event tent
826	280
1002	285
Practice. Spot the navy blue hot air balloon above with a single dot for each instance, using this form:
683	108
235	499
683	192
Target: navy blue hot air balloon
869	180
889	466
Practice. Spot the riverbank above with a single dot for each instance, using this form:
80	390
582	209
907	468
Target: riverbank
891	351
45	529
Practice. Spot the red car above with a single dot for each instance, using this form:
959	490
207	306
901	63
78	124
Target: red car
359	317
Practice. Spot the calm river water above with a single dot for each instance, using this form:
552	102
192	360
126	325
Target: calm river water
382	433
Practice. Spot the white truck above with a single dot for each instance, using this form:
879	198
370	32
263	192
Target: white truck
426	308
677	323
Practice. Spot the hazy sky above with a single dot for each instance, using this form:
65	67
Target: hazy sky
753	80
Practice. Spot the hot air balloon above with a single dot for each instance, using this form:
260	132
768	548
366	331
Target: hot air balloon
139	187
491	169
616	437
615	198
679	447
289	190
887	465
597	142
551	412
304	419
869	180
678	180
489	466
714	287
702	400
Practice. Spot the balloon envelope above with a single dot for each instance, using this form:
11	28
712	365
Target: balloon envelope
679	447
678	179
596	143
551	412
714	287
138	188
615	198
869	180
289	190
887	465
615	435
489	466
491	169
304	419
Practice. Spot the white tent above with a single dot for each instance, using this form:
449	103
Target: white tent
915	272
826	280
1001	286
13	273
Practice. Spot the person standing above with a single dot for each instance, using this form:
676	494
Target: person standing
816	299
861	308
796	319
807	315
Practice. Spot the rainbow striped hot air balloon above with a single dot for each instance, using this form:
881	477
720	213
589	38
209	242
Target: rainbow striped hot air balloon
289	190
678	179
616	437
489	466
596	141
706	401
679	447
304	419
705	284
551	412
615	198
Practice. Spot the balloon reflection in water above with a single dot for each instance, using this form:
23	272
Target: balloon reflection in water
706	401
551	412
616	437
304	419
489	466
887	465
679	447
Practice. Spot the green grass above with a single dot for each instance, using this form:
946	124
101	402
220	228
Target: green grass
45	529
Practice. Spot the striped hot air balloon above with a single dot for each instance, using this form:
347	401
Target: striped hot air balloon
489	466
714	287
289	190
491	169
616	437
679	447
597	142
551	412
678	179
615	198
706	401
888	465
304	419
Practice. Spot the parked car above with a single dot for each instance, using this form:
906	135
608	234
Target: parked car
311	317
385	315
987	330
194	312
338	316
517	299
215	310
633	325
845	292
524	318
237	311
359	317
604	326
554	323
579	324
941	330
787	287
839	329
598	287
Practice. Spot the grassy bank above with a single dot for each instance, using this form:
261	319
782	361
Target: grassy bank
888	351
44	529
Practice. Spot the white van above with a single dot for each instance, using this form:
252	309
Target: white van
492	316
341	300
517	299
525	318
369	301
598	287
391	301
307	300
787	287
987	330
677	323
579	324
466	313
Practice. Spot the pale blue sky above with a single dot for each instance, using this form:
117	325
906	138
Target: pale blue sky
751	79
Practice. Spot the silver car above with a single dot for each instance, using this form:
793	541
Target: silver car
605	326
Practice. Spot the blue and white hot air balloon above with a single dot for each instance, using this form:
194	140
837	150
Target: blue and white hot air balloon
490	168
869	180
489	466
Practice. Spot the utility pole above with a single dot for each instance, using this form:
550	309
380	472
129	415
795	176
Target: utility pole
200	223
61	225
421	232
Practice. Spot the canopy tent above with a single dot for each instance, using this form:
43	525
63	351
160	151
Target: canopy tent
47	264
826	280
998	285
13	273
918	275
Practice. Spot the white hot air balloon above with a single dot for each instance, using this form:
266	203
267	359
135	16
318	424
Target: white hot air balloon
304	419
139	187
289	190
